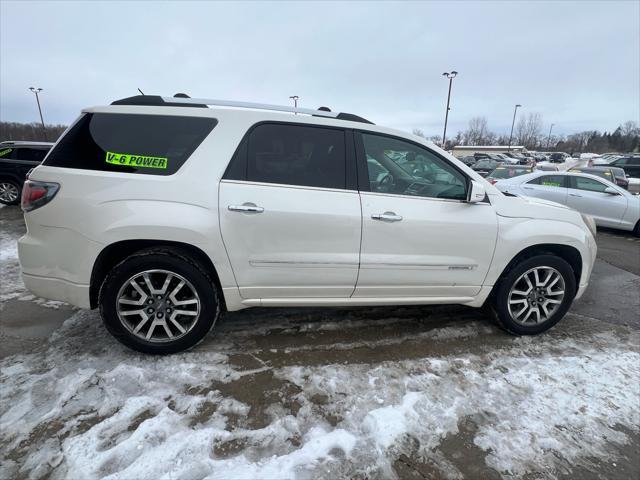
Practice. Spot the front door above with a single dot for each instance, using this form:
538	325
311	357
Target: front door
419	236
587	195
290	224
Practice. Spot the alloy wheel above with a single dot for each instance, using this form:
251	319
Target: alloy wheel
536	295
8	192
158	306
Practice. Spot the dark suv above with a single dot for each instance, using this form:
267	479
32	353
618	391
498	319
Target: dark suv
630	164
16	159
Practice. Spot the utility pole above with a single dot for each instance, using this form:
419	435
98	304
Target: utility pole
549	137
512	124
450	75
37	91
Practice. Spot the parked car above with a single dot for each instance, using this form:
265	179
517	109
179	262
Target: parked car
164	214
16	159
630	164
485	167
558	157
610	205
508	171
613	174
468	160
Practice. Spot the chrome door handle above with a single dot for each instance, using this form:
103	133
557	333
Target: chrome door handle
246	207
575	195
387	217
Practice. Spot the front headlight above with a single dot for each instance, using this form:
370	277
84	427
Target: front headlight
590	223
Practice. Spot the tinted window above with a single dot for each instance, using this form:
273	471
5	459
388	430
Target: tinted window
6	152
549	181
149	144
296	155
29	154
403	168
583	183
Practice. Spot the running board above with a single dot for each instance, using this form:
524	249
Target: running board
355	302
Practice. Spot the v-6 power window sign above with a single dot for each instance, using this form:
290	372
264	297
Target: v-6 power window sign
130	143
139	161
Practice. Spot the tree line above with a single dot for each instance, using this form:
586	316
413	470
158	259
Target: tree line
31	132
529	133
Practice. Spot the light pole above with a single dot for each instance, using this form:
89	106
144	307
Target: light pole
450	75
295	100
549	137
512	124
37	91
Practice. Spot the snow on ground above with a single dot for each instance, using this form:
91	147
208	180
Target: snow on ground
85	407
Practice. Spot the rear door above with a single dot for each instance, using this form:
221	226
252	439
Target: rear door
290	212
548	187
587	195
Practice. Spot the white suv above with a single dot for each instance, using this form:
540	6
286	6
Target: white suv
166	211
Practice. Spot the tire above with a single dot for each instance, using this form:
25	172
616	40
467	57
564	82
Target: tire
119	301
10	192
514	281
636	230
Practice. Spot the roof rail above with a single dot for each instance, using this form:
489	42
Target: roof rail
257	106
203	102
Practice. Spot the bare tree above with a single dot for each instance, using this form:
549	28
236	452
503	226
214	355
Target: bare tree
418	133
477	131
529	129
629	128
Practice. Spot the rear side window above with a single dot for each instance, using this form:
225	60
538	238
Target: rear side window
114	142
291	155
29	154
550	181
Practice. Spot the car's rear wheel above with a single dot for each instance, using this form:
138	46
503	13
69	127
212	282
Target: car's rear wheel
534	295
9	192
159	301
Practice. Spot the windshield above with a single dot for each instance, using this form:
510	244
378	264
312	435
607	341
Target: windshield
486	164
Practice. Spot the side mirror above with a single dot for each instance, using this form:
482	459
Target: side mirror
611	191
476	192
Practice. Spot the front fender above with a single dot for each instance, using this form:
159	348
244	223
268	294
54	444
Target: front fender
517	234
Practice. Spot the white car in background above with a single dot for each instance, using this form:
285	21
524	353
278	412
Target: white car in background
609	205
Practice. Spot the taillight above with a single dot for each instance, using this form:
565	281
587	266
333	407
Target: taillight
493	181
35	194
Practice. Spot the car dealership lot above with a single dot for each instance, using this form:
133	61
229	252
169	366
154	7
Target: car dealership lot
415	392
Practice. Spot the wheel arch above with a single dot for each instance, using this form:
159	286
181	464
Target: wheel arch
116	252
567	252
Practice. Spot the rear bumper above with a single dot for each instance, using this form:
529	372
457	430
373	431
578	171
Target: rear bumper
58	289
56	263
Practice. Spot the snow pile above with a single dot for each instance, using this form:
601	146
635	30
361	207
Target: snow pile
10	280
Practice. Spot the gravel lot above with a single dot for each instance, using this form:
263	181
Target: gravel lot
363	393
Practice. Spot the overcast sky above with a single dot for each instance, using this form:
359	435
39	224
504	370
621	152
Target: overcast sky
576	63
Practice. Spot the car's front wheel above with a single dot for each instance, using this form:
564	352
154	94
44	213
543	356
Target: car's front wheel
534	295
9	192
159	301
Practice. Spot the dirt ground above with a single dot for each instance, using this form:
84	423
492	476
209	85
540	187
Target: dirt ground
404	392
